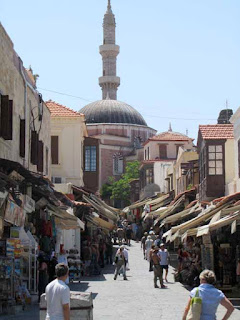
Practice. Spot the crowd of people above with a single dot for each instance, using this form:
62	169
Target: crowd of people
98	251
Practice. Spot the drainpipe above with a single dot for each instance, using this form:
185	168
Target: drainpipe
26	84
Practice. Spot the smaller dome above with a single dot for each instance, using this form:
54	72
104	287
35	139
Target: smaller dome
112	111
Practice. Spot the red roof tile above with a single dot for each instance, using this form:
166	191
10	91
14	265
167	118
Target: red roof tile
216	131
170	136
58	110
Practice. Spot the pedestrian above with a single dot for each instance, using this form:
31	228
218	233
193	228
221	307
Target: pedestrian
150	257
42	275
165	259
58	295
158	241
128	235
109	251
120	233
120	263
52	264
180	257
143	246
211	298
148	246
157	268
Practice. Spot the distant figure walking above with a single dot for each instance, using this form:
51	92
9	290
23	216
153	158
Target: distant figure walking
157	268
120	263
148	246
143	246
165	259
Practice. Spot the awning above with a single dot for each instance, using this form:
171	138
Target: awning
170	210
105	212
65	219
203	217
104	204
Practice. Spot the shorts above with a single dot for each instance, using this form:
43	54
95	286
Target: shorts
164	267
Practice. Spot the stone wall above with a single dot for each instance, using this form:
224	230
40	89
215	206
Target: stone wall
13	85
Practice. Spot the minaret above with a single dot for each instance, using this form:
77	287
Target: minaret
109	82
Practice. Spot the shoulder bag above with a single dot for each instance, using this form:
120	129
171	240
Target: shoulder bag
195	310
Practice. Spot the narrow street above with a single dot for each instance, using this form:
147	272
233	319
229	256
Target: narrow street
135	299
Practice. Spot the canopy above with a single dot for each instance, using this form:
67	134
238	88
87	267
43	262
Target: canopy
64	219
105	212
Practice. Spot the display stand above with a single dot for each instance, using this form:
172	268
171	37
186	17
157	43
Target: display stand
74	264
6	283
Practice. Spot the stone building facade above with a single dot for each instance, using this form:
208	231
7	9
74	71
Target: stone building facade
25	119
68	131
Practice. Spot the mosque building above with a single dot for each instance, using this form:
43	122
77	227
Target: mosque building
120	129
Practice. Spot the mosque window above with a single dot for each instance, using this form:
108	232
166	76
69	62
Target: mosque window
117	164
90	158
137	143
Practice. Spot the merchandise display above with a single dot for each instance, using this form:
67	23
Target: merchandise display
74	264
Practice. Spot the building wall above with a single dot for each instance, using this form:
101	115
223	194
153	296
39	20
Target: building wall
71	133
171	148
180	179
229	161
91	178
12	84
234	185
160	173
116	139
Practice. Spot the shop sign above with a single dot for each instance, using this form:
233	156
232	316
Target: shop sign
14	214
29	204
15	232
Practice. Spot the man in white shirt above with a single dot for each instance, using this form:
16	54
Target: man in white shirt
58	295
165	258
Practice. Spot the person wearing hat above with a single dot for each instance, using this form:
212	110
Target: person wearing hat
157	268
165	259
120	263
143	247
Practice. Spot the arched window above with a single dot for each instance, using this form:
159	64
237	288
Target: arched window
137	142
117	164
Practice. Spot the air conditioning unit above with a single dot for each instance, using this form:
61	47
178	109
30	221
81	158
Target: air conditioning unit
57	180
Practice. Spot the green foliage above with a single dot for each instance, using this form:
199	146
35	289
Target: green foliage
190	186
120	190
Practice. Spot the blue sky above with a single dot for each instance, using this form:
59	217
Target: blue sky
178	62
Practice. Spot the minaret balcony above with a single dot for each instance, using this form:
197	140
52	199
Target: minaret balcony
109	79
109	49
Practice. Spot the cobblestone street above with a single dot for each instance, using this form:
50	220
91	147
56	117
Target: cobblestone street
135	299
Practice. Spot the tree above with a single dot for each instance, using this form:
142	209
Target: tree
121	188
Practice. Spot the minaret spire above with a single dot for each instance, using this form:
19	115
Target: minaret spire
109	82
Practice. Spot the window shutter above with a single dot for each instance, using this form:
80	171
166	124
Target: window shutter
163	151
10	121
4	113
54	149
40	156
22	138
34	147
6	125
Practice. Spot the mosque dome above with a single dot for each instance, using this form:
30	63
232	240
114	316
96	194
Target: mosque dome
112	111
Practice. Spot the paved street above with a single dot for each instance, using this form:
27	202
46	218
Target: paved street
132	299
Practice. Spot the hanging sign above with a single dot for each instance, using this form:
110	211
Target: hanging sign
14	214
29	204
